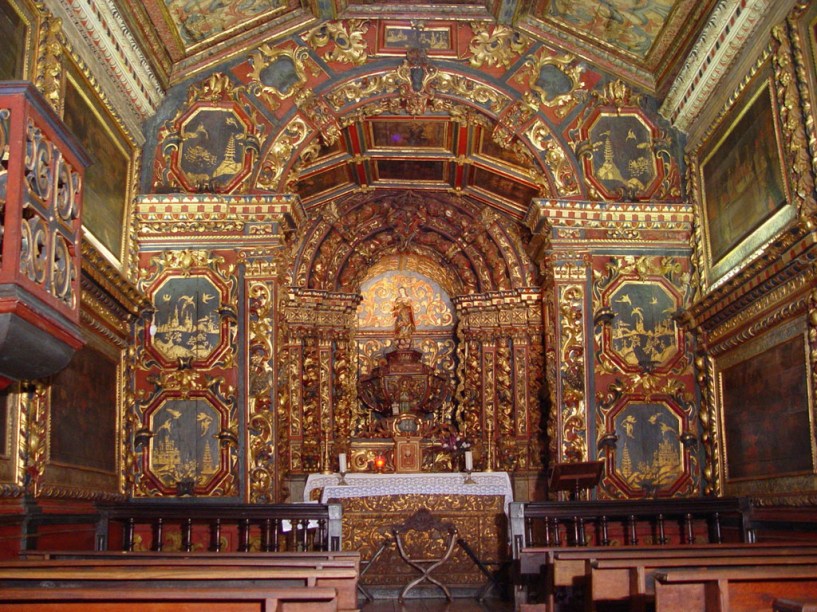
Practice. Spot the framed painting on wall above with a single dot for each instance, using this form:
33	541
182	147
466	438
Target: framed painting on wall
108	180
766	412
16	30
743	187
83	423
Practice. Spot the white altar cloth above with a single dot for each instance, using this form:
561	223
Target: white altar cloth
439	483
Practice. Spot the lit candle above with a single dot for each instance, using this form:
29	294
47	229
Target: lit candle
379	462
342	462
469	461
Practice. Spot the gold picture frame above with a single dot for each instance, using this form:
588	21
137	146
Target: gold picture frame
109	180
739	171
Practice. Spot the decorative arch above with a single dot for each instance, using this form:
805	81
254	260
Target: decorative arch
479	250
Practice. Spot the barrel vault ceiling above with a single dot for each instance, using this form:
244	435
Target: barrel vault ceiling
643	43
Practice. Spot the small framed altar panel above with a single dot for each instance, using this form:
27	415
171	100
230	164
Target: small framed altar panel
108	180
743	188
766	412
407	455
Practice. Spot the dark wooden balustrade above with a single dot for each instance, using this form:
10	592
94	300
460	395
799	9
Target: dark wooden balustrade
627	522
278	527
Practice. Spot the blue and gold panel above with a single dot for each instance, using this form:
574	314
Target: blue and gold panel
620	158
213	148
642	335
647	456
188	327
184	448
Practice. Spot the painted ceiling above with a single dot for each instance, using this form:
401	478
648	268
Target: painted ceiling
436	96
638	40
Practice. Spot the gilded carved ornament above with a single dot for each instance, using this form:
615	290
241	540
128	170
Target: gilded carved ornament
265	81
33	434
564	176
499	46
572	373
348	39
280	153
561	102
48	69
798	162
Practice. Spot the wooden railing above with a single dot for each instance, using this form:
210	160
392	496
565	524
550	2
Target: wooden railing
267	528
627	522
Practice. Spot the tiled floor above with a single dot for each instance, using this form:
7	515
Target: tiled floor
438	605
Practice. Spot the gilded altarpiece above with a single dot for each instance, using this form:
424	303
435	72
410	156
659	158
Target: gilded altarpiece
501	356
315	416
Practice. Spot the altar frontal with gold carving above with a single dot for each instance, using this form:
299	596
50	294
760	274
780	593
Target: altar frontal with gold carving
375	503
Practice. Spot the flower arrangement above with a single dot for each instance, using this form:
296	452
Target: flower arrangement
450	444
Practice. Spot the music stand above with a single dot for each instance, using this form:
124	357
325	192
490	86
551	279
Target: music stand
575	477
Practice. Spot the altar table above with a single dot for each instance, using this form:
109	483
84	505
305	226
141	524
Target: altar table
373	503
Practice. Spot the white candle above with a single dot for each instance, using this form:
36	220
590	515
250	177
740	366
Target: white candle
342	462
469	461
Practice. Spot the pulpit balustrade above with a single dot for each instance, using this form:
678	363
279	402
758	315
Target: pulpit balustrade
220	527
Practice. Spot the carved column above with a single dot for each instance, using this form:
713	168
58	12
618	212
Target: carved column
319	388
501	332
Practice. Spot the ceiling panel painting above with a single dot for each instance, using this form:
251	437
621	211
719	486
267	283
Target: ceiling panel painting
404	135
197	21
420	171
631	25
323	182
514	192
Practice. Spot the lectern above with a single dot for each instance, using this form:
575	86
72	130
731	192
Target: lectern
575	477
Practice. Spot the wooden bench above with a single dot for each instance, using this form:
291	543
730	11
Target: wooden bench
540	527
302	558
568	567
633	579
182	574
170	599
795	605
732	589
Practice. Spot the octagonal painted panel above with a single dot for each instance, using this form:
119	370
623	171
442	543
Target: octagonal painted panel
642	334
188	325
621	158
212	152
184	447
649	456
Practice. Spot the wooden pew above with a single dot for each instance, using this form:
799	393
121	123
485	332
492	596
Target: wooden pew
540	527
181	574
633	579
171	599
732	589
567	567
302	558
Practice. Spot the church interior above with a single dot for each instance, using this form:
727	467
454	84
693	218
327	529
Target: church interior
322	271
